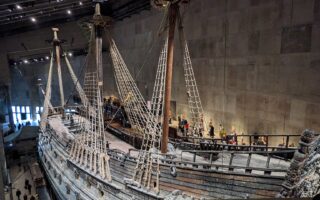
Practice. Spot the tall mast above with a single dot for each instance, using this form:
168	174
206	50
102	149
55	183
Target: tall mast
98	27
56	43
173	9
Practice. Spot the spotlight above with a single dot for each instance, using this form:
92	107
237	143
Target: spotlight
35	60
70	54
33	19
69	12
80	3
39	79
25	61
18	7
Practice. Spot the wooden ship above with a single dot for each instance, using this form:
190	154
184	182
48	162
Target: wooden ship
83	161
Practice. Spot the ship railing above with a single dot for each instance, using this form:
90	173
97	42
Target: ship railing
230	161
68	109
226	165
234	147
286	139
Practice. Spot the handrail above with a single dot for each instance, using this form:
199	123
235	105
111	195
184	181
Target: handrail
254	146
210	166
251	138
238	152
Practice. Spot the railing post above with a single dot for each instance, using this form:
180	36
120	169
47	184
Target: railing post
248	164
230	162
268	172
287	141
268	161
194	157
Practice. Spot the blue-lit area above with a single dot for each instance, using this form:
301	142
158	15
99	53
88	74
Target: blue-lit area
23	115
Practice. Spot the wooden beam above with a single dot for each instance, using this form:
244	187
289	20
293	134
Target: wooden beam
173	9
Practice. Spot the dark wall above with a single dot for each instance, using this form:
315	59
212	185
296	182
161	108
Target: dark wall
256	61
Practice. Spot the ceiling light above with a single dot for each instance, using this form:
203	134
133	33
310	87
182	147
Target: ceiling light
70	54
25	61
47	57
80	3
18	7
69	12
33	19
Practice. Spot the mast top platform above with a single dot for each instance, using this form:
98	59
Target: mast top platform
55	34
98	19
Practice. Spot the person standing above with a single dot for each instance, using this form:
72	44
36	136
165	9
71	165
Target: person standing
29	188
211	129
18	193
26	183
186	127
25	196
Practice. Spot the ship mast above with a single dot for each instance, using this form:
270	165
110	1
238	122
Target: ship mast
173	9
98	27
56	43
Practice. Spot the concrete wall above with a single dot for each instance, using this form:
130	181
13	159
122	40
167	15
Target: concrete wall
23	79
257	63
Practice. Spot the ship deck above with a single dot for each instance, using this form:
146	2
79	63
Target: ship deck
222	158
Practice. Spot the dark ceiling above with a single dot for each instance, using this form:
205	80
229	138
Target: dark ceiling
17	16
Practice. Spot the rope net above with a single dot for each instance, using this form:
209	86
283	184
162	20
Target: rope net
147	122
194	101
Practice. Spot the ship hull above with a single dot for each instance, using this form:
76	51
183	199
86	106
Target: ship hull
198	180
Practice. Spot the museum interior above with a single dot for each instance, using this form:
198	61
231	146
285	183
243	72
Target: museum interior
159	99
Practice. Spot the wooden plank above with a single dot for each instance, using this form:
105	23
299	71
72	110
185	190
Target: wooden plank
241	177
223	188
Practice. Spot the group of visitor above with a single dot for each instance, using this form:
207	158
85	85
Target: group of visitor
183	126
27	187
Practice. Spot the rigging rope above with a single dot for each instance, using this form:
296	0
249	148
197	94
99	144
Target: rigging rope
44	115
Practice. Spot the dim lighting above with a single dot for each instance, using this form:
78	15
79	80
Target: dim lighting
70	54
18	7
33	19
69	12
80	3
